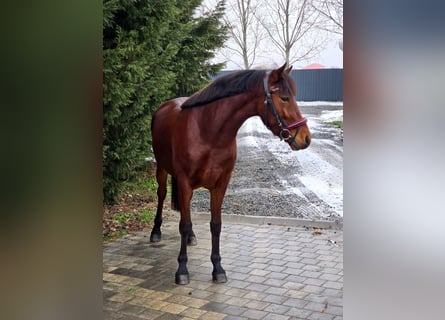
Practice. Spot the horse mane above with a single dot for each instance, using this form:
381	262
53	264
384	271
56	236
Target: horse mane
225	86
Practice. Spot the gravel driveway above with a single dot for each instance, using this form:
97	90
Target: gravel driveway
271	180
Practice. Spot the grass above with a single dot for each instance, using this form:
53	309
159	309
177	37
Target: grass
337	124
146	215
133	289
145	185
123	217
114	235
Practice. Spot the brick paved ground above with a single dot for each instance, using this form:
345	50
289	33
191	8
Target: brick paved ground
274	272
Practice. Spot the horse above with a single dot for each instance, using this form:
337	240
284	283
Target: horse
194	141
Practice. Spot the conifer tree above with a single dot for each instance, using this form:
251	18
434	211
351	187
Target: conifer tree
154	50
201	37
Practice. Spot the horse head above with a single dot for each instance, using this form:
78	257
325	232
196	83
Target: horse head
281	113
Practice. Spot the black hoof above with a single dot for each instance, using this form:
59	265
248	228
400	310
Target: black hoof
155	237
219	277
182	279
192	241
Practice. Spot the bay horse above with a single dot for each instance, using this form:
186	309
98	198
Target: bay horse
194	140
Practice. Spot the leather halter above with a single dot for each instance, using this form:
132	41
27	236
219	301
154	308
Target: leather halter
284	130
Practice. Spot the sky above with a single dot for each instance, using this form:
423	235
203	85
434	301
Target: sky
331	57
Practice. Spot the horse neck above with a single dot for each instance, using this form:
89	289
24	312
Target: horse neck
233	112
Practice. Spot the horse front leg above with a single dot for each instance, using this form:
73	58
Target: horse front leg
161	178
216	199
185	229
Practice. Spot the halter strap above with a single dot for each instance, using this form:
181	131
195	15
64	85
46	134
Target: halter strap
297	124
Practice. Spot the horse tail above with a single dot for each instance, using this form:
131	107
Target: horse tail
174	199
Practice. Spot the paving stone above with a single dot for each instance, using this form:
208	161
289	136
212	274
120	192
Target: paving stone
111	315
277	308
131	309
278	262
320	316
241	276
235	292
257	287
256	305
237	301
295	303
330	277
218	297
272	316
297	294
312	268
234	310
235	318
275	298
274	268
313	289
150	314
335	310
215	307
293	285
212	316
169	316
311	274
174	308
276	291
121	297
298	313
238	284
333	284
274	282
254	314
314	282
315	306
253	295
256	279
333	292
278	273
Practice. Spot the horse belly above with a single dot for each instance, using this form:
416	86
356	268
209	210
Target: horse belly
217	169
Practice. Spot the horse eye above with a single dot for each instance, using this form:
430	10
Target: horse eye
285	99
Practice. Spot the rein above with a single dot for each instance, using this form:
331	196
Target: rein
284	130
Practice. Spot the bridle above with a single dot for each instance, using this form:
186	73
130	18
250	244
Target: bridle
284	130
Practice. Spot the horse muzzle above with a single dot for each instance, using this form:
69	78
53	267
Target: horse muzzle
301	139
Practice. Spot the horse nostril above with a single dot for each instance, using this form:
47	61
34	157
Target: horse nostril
307	140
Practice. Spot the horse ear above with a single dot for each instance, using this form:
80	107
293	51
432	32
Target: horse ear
282	68
278	74
288	70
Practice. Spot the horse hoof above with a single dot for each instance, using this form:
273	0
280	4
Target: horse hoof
155	237
182	279
219	277
192	241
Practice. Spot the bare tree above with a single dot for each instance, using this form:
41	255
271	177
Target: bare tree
292	28
332	12
245	32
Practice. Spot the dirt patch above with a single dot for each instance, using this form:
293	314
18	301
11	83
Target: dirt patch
134	211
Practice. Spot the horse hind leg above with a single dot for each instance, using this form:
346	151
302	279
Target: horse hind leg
185	229
161	177
191	241
216	199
